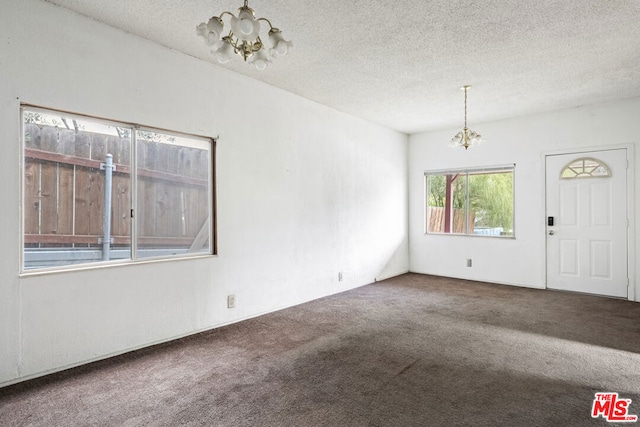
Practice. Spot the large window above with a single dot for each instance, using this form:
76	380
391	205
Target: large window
99	191
470	201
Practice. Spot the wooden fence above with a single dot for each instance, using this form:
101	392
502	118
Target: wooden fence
64	190
436	217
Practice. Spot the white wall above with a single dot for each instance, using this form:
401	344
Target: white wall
522	141
303	193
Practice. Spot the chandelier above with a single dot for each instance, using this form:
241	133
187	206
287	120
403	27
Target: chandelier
243	38
466	138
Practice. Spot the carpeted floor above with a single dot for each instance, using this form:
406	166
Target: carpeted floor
409	351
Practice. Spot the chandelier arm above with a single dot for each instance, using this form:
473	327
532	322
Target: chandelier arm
226	13
268	22
234	43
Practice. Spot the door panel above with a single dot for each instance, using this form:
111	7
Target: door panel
569	202
587	243
601	259
569	257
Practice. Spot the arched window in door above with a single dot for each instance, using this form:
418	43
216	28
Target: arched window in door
585	167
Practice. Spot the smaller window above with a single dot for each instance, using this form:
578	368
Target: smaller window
471	201
585	167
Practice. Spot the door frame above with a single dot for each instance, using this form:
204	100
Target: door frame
632	292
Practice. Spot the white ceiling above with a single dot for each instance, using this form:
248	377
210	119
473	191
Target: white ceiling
400	63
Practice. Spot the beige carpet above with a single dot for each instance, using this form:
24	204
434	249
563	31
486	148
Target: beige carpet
410	351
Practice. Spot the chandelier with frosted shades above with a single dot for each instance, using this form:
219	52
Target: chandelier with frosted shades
243	39
466	138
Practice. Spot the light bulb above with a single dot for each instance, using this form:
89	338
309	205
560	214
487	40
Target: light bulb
215	25
225	53
246	27
260	60
280	45
282	48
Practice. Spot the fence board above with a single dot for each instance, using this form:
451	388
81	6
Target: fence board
202	165
49	139
66	143
141	154
49	199
175	155
120	149
82	200
98	147
435	218
162	208
96	202
147	207
121	205
66	176
31	198
83	145
164	160
32	135
151	157
194	211
175	215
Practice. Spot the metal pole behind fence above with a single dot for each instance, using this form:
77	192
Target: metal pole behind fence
106	208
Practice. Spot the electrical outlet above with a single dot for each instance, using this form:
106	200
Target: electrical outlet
469	262
231	301
340	276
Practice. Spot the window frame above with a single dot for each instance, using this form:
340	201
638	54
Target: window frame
506	168
133	257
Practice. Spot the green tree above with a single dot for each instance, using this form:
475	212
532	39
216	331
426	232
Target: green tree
491	198
437	191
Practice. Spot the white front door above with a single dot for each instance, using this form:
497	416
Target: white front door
586	207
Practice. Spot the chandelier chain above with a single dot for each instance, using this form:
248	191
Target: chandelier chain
465	107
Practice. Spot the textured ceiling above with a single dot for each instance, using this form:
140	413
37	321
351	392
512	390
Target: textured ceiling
401	63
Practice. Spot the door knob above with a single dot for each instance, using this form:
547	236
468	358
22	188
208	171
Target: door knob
551	232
